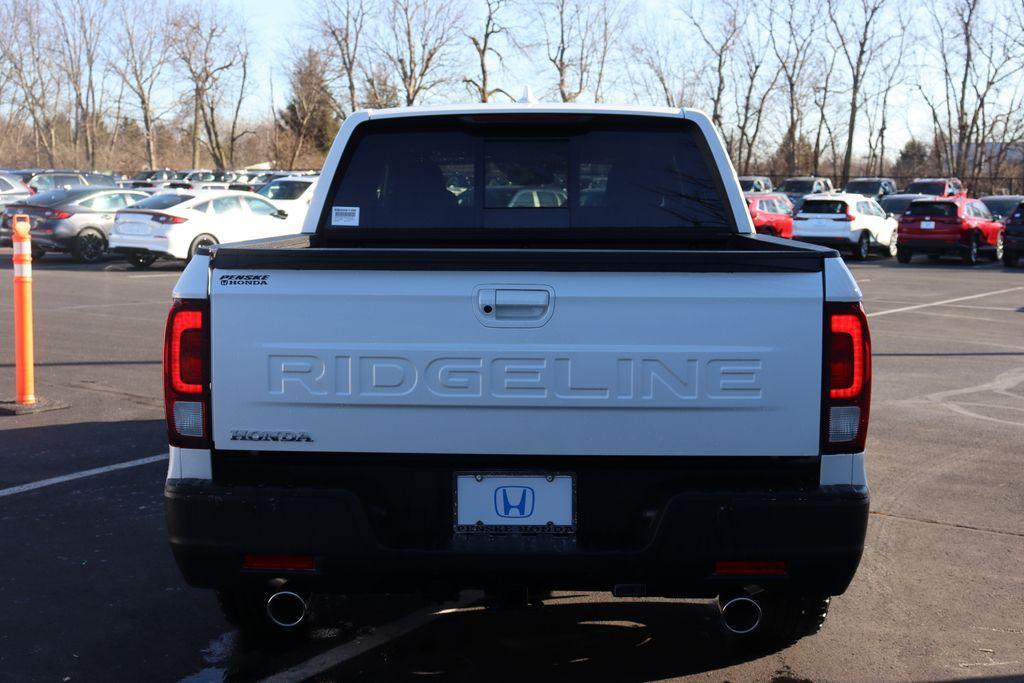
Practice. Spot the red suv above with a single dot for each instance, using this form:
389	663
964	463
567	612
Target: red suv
771	214
951	225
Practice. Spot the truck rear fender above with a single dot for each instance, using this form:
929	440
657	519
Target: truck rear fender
191	463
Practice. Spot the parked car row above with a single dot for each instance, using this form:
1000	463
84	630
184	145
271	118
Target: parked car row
932	216
146	224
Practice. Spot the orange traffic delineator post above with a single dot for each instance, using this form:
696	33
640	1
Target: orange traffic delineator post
24	362
25	400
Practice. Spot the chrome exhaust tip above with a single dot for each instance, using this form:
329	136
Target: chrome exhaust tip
742	615
286	609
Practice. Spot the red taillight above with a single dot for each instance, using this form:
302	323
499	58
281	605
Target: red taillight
56	213
750	568
186	373
846	360
168	220
846	377
292	563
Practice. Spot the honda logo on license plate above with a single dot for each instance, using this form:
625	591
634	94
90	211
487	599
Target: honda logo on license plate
514	501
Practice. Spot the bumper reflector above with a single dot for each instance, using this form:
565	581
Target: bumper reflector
188	418
290	563
750	568
843	423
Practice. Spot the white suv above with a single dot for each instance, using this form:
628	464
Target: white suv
846	221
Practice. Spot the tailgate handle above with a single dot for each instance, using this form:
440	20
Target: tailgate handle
514	306
520	303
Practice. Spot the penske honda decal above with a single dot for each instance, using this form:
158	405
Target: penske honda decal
245	280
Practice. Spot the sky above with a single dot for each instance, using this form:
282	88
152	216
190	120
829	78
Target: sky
277	25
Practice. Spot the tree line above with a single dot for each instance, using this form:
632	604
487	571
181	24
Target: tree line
795	86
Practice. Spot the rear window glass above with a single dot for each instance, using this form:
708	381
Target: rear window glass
1001	206
863	186
925	187
562	172
941	209
896	204
284	189
54	197
162	201
820	206
797	186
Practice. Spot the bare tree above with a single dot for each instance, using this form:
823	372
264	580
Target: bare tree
579	37
80	27
888	74
977	114
792	28
31	73
718	34
756	74
140	55
858	39
660	70
417	42
824	133
309	112
343	23
216	62
379	89
483	44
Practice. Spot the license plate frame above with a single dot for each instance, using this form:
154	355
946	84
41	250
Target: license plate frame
927	225
551	518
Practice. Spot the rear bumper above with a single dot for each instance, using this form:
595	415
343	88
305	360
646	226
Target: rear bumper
937	245
664	539
834	241
132	244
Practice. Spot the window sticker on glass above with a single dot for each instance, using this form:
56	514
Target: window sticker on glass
345	215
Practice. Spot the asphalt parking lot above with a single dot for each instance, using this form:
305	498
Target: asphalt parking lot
90	591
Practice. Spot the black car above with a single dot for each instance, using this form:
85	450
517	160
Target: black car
873	187
76	220
798	188
1002	205
896	204
1013	237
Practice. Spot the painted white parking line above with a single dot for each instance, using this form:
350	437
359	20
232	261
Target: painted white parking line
943	302
362	644
32	486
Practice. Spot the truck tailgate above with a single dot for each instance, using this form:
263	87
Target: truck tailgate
545	363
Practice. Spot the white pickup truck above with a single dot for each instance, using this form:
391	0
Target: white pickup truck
617	386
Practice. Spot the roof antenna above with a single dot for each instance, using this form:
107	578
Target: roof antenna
527	97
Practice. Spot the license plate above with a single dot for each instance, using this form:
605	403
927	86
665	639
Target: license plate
927	225
520	503
133	229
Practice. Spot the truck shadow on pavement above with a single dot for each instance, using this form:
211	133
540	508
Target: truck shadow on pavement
594	640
